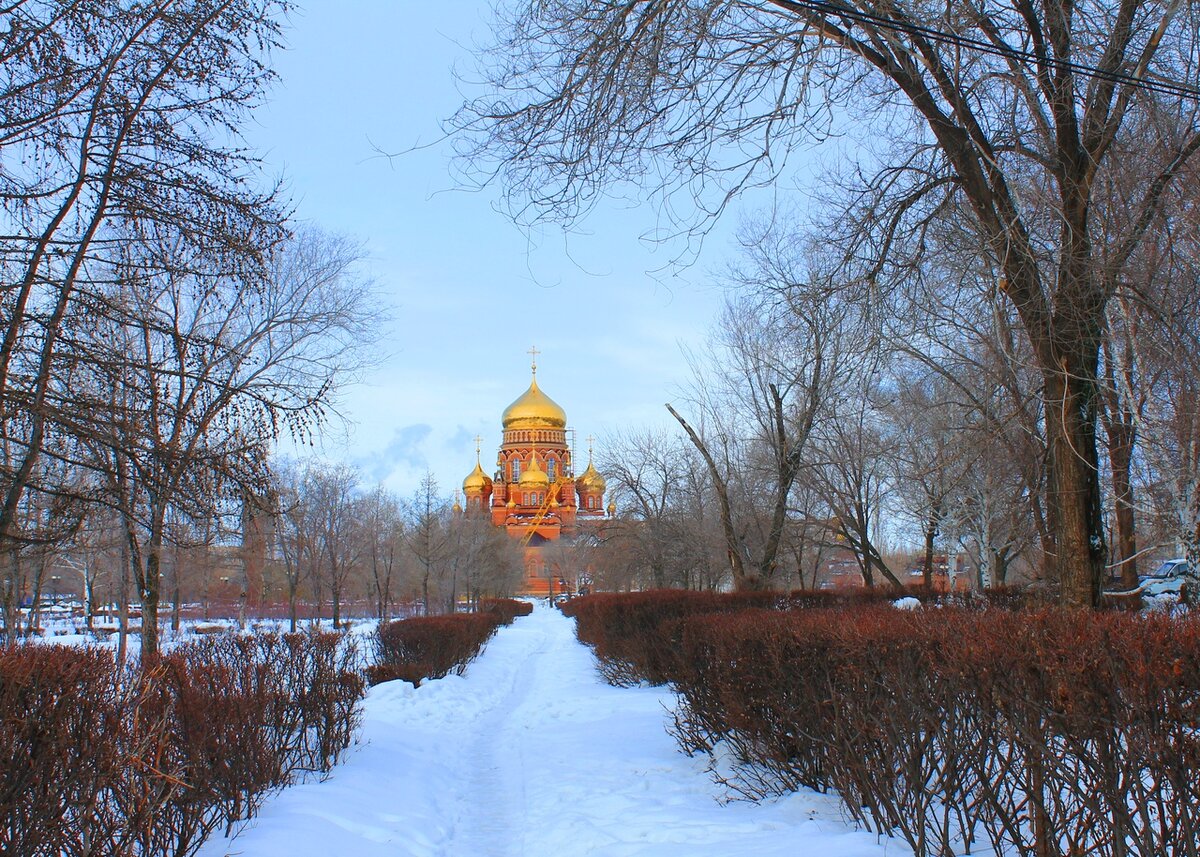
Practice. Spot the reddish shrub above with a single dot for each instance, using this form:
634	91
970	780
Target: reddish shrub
1049	732
628	633
430	646
61	723
96	762
507	609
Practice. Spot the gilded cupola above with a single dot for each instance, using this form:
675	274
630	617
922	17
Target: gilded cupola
477	482
590	481
534	477
534	409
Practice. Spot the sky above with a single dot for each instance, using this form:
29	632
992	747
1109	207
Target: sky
466	292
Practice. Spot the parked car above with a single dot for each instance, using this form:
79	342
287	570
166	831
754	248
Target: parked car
1168	577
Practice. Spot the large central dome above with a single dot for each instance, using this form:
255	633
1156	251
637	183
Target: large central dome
534	409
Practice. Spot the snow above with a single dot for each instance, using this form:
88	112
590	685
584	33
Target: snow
529	754
68	628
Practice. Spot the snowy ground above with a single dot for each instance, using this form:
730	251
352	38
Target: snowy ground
64	626
531	754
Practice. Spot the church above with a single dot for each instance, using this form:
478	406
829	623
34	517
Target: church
534	493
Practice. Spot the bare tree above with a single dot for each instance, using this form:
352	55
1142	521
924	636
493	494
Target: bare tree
1171	436
928	460
646	472
197	368
482	559
295	530
1004	116
852	476
381	529
111	114
985	517
92	555
331	490
784	346
425	513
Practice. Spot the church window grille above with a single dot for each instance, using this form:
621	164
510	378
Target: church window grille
551	469
516	469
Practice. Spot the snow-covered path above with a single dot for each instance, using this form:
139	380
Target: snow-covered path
532	754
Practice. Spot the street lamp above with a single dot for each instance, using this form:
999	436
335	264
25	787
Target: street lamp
54	579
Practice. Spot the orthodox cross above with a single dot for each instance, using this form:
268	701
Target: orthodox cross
533	352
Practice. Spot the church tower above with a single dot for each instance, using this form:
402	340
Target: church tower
534	493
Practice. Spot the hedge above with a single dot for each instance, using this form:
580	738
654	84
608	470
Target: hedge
1041	733
429	647
100	761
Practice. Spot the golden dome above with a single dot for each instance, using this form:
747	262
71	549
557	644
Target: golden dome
477	481
590	481
534	477
534	409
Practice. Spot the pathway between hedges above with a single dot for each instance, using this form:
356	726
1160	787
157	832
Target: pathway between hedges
531	754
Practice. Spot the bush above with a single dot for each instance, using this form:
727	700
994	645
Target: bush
635	634
151	763
62	727
1047	732
630	632
507	609
428	647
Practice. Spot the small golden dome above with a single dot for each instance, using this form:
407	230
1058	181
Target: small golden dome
477	481
534	409
612	509
534	477
590	481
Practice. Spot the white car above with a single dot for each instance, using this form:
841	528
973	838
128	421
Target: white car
1167	578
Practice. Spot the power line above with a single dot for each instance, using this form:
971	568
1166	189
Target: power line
1164	87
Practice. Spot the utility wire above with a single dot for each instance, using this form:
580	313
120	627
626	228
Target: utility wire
1163	87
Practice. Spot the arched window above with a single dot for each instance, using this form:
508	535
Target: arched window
550	468
516	469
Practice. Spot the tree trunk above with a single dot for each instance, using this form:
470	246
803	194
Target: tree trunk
732	542
128	557
1120	459
1074	482
35	606
12	591
89	598
175	595
292	585
927	566
149	592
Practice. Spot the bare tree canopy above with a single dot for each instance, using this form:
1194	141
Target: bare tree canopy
116	120
1009	117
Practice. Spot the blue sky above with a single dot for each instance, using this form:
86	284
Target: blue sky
468	292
